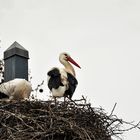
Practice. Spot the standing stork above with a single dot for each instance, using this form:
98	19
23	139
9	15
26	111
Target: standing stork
62	82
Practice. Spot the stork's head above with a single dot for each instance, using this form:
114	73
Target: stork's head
65	57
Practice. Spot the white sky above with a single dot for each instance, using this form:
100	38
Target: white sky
102	36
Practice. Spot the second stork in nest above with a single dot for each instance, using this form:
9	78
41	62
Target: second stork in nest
62	82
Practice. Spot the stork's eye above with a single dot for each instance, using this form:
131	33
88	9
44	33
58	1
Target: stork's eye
66	55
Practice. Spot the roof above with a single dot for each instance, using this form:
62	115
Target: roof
16	45
16	49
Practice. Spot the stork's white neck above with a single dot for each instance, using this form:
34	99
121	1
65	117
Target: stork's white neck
68	67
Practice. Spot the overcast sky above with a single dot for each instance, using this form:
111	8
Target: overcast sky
103	36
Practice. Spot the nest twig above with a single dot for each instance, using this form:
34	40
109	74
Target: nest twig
69	120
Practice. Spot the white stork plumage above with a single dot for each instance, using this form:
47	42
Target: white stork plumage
17	89
62	82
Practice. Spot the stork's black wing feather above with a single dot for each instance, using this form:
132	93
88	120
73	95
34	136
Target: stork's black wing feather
72	85
2	95
55	79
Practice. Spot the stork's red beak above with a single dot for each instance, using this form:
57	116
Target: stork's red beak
73	62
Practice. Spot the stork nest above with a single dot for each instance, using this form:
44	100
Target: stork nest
45	120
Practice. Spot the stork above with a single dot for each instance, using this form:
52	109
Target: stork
17	89
62	82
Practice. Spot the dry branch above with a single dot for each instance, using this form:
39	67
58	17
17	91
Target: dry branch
70	120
